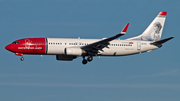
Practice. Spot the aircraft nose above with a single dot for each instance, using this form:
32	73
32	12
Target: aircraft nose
8	47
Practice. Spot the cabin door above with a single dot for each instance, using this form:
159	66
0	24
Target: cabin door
138	45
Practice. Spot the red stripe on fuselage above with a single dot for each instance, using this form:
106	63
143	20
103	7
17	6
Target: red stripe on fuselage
29	46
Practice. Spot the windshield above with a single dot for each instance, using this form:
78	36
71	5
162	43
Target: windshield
15	42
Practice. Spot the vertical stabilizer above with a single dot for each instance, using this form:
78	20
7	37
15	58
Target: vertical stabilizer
154	31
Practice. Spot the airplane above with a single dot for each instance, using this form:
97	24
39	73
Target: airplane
68	49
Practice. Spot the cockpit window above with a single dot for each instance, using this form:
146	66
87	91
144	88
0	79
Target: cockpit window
15	43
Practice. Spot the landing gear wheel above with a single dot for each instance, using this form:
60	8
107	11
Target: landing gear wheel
90	58
22	59
84	61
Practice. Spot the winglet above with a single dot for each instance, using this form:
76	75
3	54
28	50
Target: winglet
125	29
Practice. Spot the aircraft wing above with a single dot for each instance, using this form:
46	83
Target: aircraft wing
94	48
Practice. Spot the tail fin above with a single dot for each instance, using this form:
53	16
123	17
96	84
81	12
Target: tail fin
154	30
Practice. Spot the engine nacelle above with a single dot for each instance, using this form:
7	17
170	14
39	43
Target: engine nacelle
65	57
73	51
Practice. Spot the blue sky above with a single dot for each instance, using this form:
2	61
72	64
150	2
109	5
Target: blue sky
149	76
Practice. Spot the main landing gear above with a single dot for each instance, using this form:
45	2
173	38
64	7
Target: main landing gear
89	59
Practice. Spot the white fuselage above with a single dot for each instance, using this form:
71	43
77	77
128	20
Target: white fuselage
115	48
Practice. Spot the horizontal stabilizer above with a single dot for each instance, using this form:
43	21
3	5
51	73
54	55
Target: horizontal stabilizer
161	41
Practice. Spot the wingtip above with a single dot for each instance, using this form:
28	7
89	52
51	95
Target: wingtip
125	29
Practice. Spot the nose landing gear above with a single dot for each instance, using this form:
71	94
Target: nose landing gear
20	54
22	58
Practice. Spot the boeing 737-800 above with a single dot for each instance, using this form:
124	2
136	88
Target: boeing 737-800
69	49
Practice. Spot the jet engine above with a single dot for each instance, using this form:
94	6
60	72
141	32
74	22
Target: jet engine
73	51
